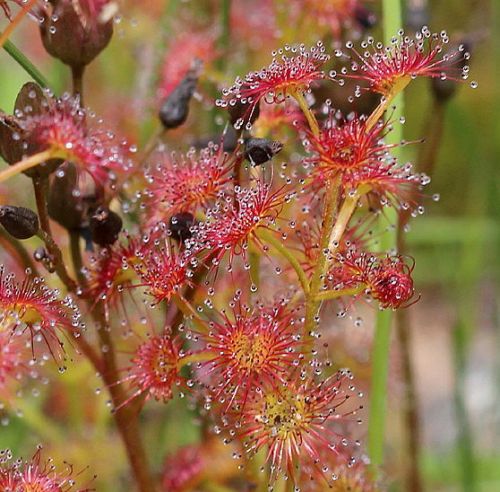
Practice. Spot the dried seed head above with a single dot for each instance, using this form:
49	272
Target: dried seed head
19	222
175	107
105	225
261	150
180	226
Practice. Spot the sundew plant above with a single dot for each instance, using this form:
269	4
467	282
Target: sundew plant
180	249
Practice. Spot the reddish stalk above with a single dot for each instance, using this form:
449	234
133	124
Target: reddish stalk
126	416
15	22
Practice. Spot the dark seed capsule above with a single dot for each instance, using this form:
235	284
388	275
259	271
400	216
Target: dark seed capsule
19	222
180	226
260	150
243	114
75	32
105	225
175	107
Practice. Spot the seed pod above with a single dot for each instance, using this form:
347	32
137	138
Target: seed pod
175	108
243	114
19	222
180	226
260	150
105	225
68	204
76	32
14	142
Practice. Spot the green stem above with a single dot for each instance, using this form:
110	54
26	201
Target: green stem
190	312
378	399
345	215
267	237
311	119
328	223
197	357
392	22
461	338
41	187
254	261
25	63
28	163
335	294
225	36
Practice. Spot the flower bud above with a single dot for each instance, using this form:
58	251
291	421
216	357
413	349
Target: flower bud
76	31
260	150
105	225
175	107
19	222
180	226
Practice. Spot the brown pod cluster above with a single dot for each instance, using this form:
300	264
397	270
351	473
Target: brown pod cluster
76	31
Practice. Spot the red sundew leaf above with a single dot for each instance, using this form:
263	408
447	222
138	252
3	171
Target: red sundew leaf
285	75
359	156
154	369
295	422
231	224
386	279
31	305
383	67
63	126
257	346
186	183
35	475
